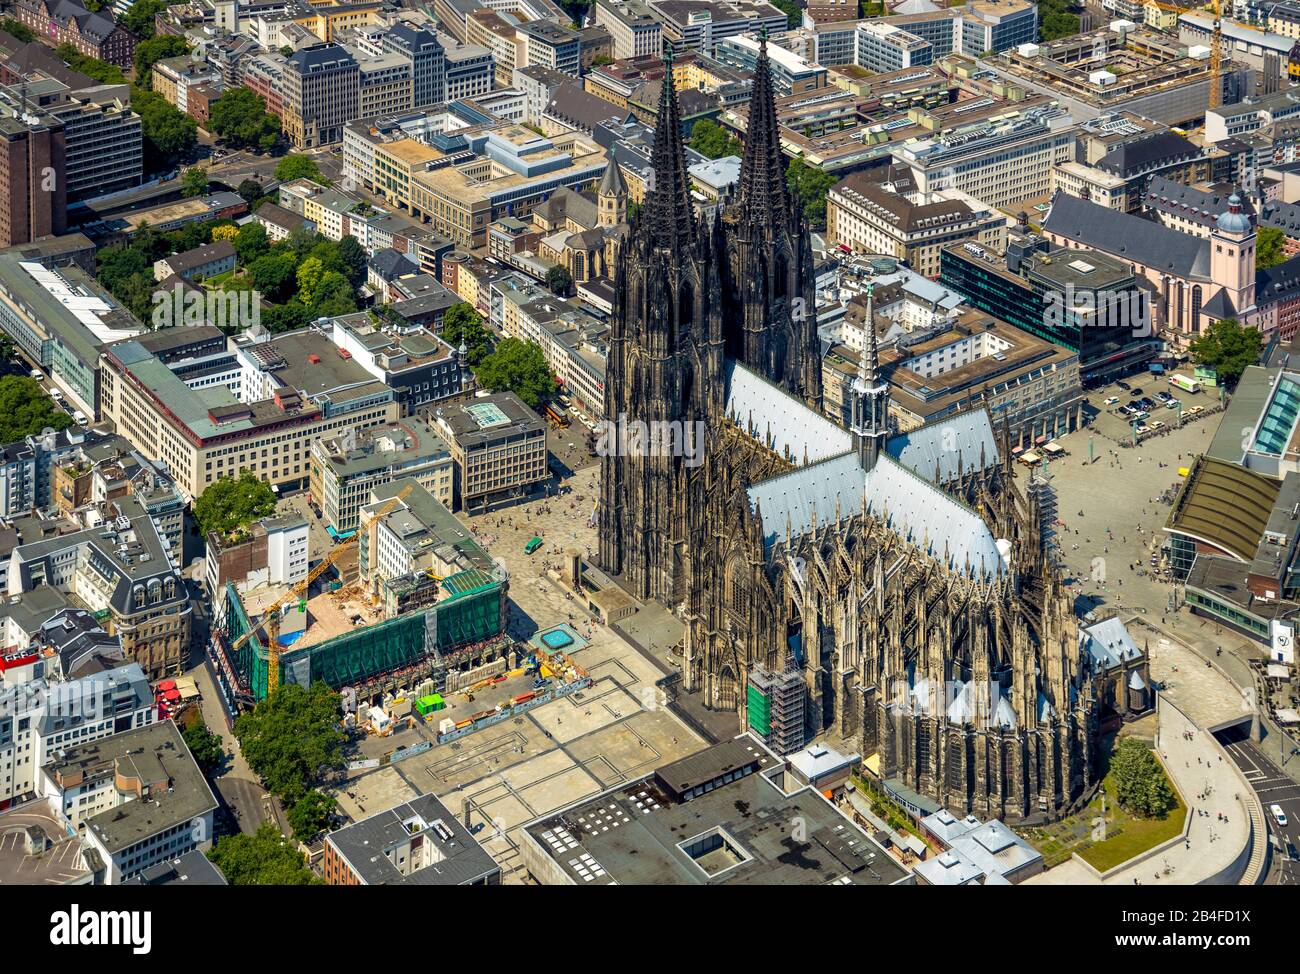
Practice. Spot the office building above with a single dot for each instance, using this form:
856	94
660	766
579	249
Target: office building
499	448
633	27
321	93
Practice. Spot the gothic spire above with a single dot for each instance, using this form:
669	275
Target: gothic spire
763	193
869	362
668	209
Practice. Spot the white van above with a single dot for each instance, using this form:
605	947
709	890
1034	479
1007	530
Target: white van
80	417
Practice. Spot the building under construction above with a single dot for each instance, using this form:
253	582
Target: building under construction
776	706
464	627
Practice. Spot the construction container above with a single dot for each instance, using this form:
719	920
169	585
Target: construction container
462	724
523	698
430	703
446	725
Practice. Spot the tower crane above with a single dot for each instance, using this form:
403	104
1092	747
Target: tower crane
271	616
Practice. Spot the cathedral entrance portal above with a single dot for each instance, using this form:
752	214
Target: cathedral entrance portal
727	697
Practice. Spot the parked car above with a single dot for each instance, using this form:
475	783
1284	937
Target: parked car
1125	386
1172	404
1279	816
1143	430
1112	400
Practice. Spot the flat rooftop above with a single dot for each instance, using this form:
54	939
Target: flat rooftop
737	834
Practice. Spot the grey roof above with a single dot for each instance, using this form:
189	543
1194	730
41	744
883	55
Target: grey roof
1130	237
149	754
191	869
1202	206
795	431
462	860
1108	643
1254	389
956	442
611	183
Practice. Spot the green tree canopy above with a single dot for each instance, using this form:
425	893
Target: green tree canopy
240	117
291	739
559	281
353	258
1141	786
310	814
249	190
295	166
26	409
232	503
17	30
168	133
1270	244
463	325
1227	348
251	243
204	745
151	51
139	19
710	139
194	182
265	858
809	186
519	367
274	274
101	71
1055	20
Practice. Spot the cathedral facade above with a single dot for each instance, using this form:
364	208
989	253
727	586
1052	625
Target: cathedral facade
902	574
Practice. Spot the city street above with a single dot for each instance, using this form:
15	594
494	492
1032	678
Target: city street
1274	787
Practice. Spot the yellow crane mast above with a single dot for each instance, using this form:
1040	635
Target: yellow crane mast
271	616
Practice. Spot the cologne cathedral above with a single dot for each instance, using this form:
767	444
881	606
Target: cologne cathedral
901	574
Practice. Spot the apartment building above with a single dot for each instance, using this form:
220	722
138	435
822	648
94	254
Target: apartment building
420	47
32	164
573	341
632	25
512	171
321	93
136	799
122	569
174	79
293	388
1002	161
62	319
40	717
346	467
880	211
498	446
68	22
549	45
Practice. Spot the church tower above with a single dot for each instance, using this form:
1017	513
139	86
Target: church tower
870	414
1232	255
665	375
611	197
772	319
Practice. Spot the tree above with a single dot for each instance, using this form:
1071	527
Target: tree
229	232
462	325
26	409
151	51
232	503
169	134
1270	248
204	745
1141	787
310	272
17	30
291	739
139	19
353	258
250	243
1227	348
194	182
1055	20
249	190
559	281
273	274
240	117
710	139
792	11
809	185
310	814
265	858
294	166
519	367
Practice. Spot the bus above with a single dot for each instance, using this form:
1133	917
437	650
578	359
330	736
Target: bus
1184	382
532	545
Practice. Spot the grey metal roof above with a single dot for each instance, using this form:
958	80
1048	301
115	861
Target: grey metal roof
1129	237
779	421
960	441
1108	643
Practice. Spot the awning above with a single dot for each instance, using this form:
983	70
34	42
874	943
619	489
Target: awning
1041	440
1030	457
167	685
1053	448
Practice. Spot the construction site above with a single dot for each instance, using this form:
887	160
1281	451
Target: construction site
1147	72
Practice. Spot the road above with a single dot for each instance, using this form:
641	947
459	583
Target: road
1273	787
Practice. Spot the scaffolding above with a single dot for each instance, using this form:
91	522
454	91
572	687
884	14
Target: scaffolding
471	614
775	706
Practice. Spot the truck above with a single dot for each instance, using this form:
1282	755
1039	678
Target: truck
1184	382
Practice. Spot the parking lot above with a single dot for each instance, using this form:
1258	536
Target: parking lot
1166	407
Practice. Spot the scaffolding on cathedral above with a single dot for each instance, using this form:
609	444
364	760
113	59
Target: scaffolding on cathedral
775	702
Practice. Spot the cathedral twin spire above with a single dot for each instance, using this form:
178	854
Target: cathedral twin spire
764	197
668	210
